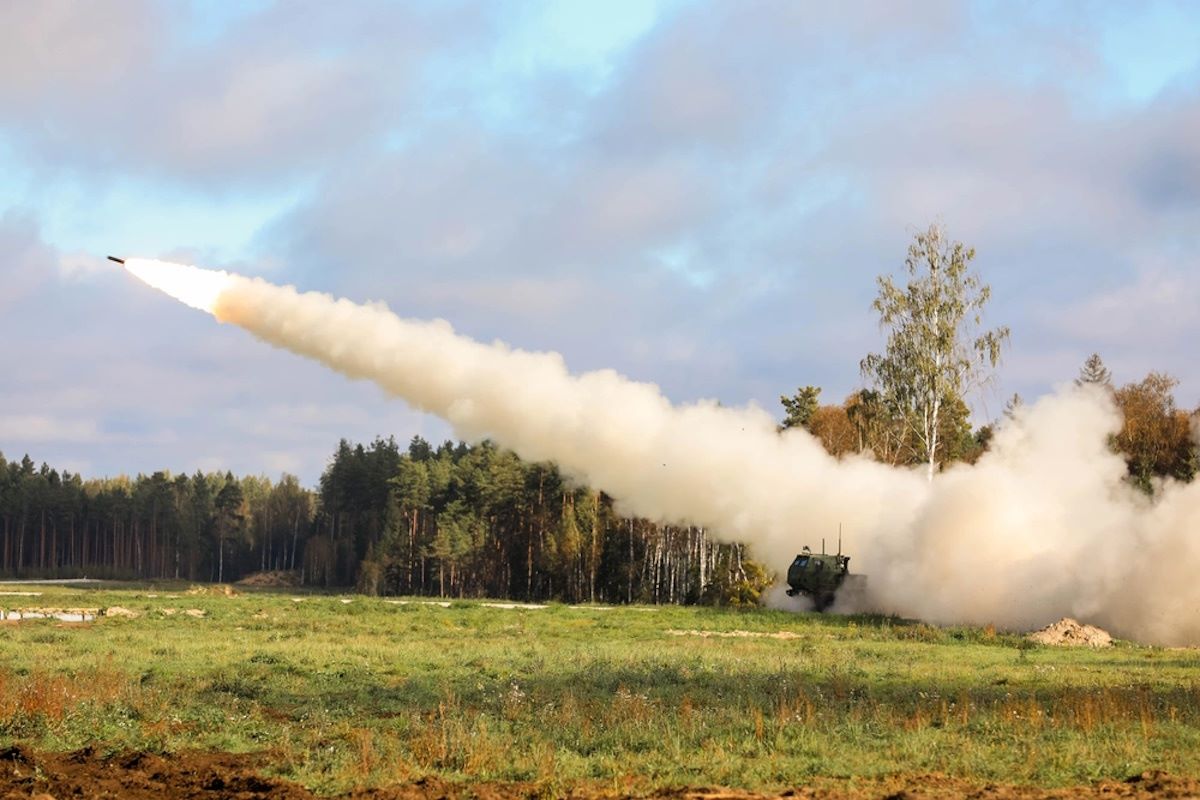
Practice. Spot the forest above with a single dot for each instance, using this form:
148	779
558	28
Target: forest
471	520
476	520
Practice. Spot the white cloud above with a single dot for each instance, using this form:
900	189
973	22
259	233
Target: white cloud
708	213
122	87
1158	308
40	428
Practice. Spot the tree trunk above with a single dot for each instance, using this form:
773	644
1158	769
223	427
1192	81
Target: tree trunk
295	537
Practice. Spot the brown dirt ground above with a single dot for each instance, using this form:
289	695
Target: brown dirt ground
223	776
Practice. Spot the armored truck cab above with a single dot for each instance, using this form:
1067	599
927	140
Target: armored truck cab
818	575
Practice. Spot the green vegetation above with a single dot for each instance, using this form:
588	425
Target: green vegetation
470	521
462	520
344	692
455	520
935	351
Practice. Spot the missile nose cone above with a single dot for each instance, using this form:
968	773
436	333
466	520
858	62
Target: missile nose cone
118	260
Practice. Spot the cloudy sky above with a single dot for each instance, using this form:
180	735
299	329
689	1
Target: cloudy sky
695	194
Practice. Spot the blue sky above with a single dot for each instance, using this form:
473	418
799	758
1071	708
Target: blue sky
695	194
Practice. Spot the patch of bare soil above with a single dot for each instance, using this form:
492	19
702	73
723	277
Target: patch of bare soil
1068	632
89	773
941	787
60	614
136	776
214	590
735	634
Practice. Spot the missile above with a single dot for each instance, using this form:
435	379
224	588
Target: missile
118	260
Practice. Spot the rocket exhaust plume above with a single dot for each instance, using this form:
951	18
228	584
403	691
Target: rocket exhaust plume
193	286
1043	526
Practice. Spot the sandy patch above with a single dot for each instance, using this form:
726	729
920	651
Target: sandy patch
735	634
60	614
218	590
438	603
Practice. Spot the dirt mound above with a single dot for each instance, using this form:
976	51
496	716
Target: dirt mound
224	776
272	579
1071	633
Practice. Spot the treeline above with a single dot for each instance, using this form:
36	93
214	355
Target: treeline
201	527
470	521
475	521
455	520
1157	438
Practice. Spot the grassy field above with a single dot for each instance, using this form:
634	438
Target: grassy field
352	692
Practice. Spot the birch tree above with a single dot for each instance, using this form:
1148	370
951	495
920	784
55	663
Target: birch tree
936	350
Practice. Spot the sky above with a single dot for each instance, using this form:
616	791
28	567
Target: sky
698	195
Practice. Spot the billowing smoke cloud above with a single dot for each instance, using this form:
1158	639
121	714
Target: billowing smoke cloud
1041	527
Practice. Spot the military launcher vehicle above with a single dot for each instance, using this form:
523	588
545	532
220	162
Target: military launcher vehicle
820	576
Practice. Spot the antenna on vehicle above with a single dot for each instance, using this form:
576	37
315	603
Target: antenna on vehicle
822	544
839	538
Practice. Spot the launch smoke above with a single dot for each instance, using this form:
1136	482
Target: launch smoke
1043	526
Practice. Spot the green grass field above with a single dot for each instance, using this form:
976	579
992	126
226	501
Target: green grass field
353	692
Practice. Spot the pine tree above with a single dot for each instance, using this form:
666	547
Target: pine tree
799	408
1094	372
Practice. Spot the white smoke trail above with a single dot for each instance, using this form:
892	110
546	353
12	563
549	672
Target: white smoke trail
1043	526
